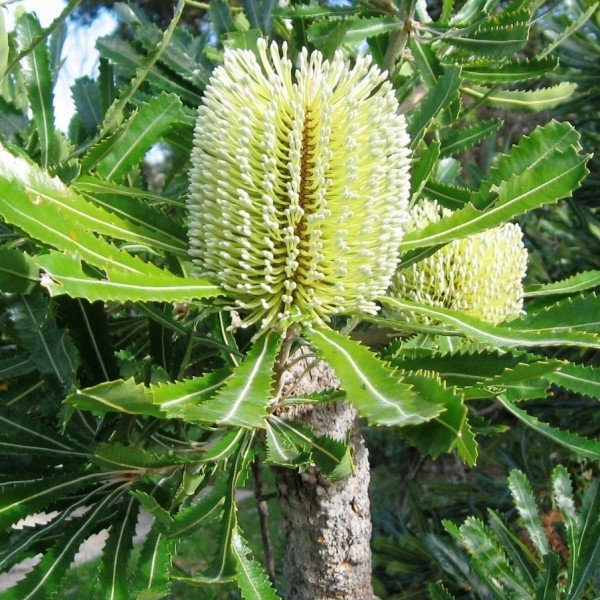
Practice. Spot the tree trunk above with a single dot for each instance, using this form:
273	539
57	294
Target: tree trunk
327	525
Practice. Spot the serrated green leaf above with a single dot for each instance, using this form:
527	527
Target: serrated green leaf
563	496
578	444
18	273
528	100
508	337
490	369
355	30
54	214
556	174
135	458
12	120
493	39
153	568
220	16
166	231
487	553
183	53
448	196
581	312
520	556
12	553
198	514
436	590
241	40
162	518
333	457
578	378
22	499
424	159
251	579
116	155
39	83
452	558
96	187
587	280
113	580
447	431
547	583
223	567
525	503
571	28
64	274
281	448
587	554
86	97
49	348
43	582
490	71
260	14
128	60
225	447
179	399
438	98
461	139
372	386
13	366
123	396
427	62
26	436
245	395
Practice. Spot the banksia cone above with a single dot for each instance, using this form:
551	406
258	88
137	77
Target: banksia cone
299	184
480	275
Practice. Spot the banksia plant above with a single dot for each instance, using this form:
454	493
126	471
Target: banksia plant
114	398
480	275
299	184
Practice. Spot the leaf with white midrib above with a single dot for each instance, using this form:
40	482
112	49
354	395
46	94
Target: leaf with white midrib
112	577
42	190
154	565
49	348
553	179
38	81
371	385
586	280
26	437
578	378
252	580
525	502
23	499
46	576
64	274
245	395
11	554
529	100
501	336
578	444
137	135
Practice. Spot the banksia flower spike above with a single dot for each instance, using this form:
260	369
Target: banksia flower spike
480	275
299	184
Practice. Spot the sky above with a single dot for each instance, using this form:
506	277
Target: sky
79	53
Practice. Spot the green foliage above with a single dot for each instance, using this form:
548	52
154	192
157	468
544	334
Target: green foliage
126	383
506	566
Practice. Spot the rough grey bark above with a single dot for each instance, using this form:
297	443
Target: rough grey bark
328	525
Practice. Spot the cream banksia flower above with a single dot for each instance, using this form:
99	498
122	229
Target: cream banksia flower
299	184
480	275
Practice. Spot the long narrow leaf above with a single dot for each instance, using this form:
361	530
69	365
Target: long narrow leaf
372	386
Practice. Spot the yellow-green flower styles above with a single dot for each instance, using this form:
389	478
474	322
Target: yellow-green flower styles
480	275
299	184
